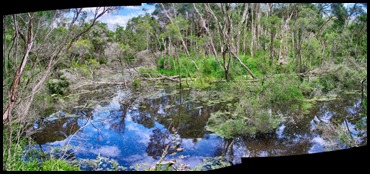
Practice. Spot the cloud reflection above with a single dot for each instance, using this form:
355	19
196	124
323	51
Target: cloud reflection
108	151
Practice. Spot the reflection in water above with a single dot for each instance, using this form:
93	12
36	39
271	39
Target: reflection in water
137	131
56	130
158	142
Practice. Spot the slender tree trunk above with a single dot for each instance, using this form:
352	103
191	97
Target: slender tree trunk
169	46
253	30
293	53
165	53
225	65
272	49
299	52
244	39
244	18
258	28
178	65
322	52
18	75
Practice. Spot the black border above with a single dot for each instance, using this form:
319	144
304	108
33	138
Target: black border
353	160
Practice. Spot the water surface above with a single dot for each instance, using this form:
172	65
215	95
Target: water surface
134	131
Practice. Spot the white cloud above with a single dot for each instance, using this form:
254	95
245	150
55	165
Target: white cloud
108	151
113	20
143	135
132	7
92	10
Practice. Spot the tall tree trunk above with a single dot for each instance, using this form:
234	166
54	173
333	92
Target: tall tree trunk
244	18
178	65
18	75
258	28
253	31
292	48
322	52
272	49
165	52
225	65
244	39
299	51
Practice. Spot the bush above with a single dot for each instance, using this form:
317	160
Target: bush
346	75
58	165
248	119
305	88
56	86
283	88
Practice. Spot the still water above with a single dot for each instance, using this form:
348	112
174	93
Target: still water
134	131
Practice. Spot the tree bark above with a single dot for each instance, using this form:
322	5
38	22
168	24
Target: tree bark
244	18
322	52
18	75
272	48
253	31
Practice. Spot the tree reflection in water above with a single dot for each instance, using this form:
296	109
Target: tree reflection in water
119	123
159	141
56	130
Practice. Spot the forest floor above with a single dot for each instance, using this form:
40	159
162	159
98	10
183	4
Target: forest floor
110	74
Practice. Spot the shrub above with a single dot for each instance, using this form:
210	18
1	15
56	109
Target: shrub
248	119
283	88
305	88
56	86
58	165
250	125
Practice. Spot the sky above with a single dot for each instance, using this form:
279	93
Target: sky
123	15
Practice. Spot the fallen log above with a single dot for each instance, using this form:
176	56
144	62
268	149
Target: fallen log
172	78
97	84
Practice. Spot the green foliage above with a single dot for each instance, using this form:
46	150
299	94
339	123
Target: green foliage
258	64
202	81
84	69
343	76
148	72
185	63
58	165
17	163
283	88
92	62
305	88
58	86
101	164
212	163
248	119
136	83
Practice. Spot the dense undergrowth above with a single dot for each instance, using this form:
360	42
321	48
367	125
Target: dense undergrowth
254	113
